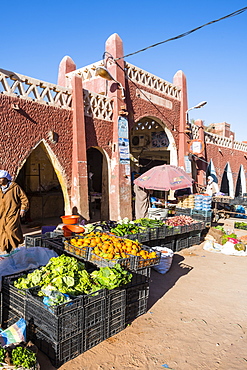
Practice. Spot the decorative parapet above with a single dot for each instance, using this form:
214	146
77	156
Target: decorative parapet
147	79
238	145
195	131
20	86
97	106
88	72
226	142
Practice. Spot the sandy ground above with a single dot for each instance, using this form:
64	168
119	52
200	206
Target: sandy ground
196	319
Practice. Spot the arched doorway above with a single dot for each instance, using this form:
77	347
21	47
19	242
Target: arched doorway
211	171
98	184
151	144
241	183
38	179
227	181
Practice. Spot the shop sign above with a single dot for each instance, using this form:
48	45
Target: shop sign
123	140
187	164
196	146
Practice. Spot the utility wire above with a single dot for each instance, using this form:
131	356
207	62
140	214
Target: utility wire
237	12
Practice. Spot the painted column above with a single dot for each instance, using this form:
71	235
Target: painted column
120	181
66	65
201	163
179	79
79	189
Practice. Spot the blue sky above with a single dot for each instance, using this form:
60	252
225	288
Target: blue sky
35	36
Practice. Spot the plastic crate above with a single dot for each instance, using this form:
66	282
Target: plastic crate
139	263
153	233
136	293
12	297
200	214
115	315
93	335
33	240
102	262
169	230
182	242
194	238
76	251
136	302
94	308
141	276
58	352
199	225
183	211
161	232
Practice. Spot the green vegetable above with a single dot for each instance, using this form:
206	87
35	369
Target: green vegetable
225	237
67	275
219	228
23	357
111	278
2	354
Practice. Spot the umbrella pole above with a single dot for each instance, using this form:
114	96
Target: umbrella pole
166	198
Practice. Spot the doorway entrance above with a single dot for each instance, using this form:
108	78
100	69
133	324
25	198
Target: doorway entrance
39	181
98	193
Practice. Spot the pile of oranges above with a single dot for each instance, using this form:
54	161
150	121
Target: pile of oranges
111	247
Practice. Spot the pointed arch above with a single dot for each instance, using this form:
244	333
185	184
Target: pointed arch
98	164
211	170
241	182
227	186
58	169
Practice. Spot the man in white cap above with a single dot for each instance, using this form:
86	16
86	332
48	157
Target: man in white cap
212	186
13	205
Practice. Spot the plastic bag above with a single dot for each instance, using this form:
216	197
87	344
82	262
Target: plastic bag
14	333
165	260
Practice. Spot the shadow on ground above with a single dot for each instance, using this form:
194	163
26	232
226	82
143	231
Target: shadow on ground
161	283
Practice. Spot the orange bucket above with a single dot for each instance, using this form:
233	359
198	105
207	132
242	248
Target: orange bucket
70	220
69	229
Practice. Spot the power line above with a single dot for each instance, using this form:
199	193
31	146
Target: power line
237	12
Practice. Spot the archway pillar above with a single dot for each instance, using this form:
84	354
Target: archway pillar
79	188
179	79
120	180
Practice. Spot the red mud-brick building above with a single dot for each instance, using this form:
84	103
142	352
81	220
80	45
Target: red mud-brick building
78	143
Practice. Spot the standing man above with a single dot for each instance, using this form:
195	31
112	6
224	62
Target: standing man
142	202
13	205
212	187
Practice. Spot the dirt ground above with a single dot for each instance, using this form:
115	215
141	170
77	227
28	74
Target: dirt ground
196	319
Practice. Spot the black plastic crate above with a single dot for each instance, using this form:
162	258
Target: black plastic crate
58	352
102	262
162	232
136	293
140	276
182	242
199	225
94	308
194	238
183	211
153	233
33	240
9	316
12	297
57	322
135	309
139	263
93	335
115	315
168	242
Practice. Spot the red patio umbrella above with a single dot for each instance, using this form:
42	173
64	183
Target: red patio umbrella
165	177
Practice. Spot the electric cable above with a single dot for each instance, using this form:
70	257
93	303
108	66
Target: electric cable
237	12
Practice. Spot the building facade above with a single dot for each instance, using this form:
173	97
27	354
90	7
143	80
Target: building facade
78	144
